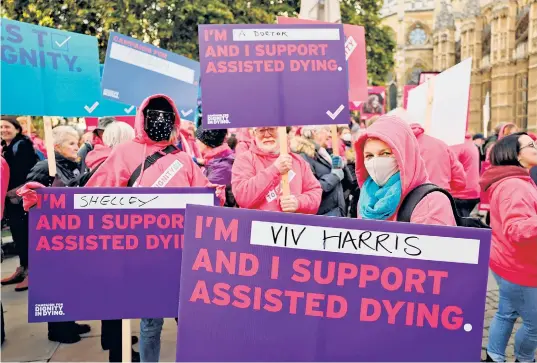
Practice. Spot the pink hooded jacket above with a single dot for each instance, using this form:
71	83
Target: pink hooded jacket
4	182
244	141
513	218
172	170
256	182
435	208
468	155
96	156
442	165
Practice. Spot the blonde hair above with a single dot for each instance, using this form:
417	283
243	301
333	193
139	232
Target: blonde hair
60	134
309	132
117	133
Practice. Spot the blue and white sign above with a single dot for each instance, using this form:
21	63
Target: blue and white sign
135	70
47	72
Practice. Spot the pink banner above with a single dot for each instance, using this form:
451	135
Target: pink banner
92	122
406	90
354	54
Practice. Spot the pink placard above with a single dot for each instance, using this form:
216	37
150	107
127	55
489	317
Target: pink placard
354	53
92	122
375	104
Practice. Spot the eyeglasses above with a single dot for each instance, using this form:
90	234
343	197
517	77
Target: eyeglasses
531	144
271	131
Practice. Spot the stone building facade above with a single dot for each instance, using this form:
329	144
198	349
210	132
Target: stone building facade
499	35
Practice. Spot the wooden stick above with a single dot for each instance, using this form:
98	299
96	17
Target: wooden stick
126	342
429	107
335	140
49	143
282	135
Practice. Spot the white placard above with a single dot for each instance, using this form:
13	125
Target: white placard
245	35
140	201
363	242
152	63
450	103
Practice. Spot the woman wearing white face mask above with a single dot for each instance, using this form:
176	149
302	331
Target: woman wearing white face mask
388	167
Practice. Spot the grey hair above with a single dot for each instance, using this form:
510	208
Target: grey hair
116	133
309	132
61	133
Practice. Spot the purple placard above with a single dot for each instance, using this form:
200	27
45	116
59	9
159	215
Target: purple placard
245	298
107	253
273	75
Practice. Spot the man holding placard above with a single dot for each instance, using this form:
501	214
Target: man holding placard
257	173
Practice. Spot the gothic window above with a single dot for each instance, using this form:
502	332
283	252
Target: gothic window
414	77
417	36
522	100
485	41
458	52
523	19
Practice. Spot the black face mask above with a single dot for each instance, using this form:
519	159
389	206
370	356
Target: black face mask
159	124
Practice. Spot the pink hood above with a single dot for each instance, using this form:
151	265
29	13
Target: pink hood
435	208
502	130
398	135
468	155
244	140
443	167
97	155
127	156
256	182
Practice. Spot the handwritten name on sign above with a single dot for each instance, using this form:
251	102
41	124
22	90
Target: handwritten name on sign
373	243
342	277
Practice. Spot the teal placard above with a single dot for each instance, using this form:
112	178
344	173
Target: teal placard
49	72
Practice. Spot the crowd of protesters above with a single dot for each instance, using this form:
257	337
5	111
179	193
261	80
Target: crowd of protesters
366	172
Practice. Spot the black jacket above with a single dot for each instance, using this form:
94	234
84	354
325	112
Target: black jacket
66	170
333	199
21	157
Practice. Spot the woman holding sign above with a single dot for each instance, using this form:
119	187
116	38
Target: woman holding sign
513	254
256	177
388	168
151	160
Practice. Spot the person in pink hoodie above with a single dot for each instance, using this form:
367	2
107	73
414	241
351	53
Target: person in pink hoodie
443	167
256	177
467	198
244	140
388	167
157	128
116	133
513	254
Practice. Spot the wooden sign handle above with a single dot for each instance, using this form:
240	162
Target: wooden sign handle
335	140
282	135
126	342
429	107
49	144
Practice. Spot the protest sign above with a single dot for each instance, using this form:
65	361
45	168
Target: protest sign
93	122
295	74
376	102
262	286
449	111
107	253
47	71
406	90
354	54
135	70
425	76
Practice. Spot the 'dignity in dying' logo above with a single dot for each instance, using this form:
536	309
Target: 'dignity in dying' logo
55	309
218	119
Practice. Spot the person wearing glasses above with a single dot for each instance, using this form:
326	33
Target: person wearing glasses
257	174
513	255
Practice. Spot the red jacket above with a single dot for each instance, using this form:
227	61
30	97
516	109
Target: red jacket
256	182
441	163
468	155
172	170
4	182
513	218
